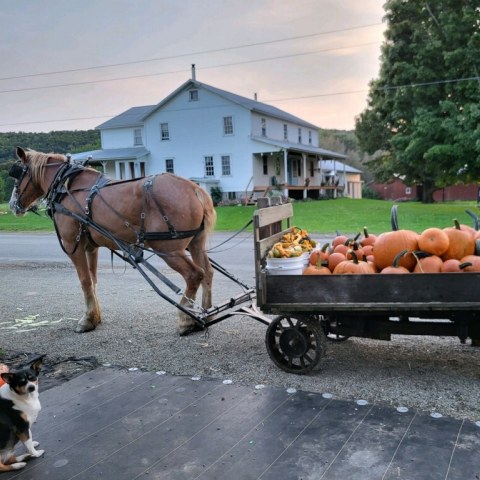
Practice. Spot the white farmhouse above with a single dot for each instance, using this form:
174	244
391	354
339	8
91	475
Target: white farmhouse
217	139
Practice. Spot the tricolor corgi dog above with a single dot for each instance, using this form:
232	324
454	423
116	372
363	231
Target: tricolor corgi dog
19	408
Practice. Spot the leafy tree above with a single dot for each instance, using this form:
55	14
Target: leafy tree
423	115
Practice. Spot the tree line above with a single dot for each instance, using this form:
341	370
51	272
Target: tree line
56	141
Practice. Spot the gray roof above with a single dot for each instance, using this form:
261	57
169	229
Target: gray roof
299	147
330	165
112	154
136	116
131	118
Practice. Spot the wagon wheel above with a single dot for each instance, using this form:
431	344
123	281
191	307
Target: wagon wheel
295	344
329	325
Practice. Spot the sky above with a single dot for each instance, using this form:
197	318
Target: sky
71	65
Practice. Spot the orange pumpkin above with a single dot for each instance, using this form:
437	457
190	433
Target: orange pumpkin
339	240
433	240
341	248
353	267
389	244
320	255
429	264
453	265
334	259
395	268
317	270
367	250
368	239
473	260
461	243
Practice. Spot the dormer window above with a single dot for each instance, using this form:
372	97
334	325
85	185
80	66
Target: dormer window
299	135
193	95
309	137
285	131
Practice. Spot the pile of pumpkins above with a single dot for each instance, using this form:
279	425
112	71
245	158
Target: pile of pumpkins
453	249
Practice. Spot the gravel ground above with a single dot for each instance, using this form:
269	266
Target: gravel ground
42	302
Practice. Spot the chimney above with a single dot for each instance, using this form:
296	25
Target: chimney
193	72
255	96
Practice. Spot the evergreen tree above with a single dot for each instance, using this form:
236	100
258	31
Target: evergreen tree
423	114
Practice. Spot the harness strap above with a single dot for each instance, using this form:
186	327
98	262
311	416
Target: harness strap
101	182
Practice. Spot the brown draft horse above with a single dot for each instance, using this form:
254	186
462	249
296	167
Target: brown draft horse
179	212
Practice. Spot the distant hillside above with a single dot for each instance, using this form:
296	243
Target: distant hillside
60	142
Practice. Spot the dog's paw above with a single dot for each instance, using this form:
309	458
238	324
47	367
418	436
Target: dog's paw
35	444
18	465
37	453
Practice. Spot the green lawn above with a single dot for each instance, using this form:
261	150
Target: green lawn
325	216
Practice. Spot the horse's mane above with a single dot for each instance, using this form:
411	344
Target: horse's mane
38	161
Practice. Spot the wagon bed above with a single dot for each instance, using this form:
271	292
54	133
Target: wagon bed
340	306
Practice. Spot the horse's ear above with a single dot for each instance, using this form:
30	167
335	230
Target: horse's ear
21	154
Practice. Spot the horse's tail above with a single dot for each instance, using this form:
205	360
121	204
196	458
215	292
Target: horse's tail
210	214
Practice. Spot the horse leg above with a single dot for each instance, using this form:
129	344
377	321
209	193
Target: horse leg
193	276
86	266
199	255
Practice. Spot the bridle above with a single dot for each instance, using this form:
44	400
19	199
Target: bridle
18	172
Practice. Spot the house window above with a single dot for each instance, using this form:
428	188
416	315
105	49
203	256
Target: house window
265	164
226	170
264	127
285	131
193	95
209	168
169	165
312	171
137	136
228	125
299	135
309	137
164	132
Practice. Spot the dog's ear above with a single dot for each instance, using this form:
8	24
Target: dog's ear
37	364
7	377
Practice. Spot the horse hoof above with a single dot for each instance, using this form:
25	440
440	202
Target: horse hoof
188	329
82	328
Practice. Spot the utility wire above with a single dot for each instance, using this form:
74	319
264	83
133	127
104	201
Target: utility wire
386	88
131	77
200	52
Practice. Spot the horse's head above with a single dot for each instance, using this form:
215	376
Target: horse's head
27	189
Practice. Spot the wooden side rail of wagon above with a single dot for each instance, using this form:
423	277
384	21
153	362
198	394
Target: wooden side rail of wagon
312	308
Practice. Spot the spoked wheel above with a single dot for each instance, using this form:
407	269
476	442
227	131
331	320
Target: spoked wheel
329	326
295	344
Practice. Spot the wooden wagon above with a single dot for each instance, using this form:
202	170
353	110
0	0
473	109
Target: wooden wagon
312	308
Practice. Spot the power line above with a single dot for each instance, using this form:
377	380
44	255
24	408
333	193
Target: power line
349	92
186	108
424	84
200	52
131	77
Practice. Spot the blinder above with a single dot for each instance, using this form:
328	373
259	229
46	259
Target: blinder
16	171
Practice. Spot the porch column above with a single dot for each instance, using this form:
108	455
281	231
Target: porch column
285	172
304	161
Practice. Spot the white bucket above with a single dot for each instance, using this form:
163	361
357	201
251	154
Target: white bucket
285	270
285	266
